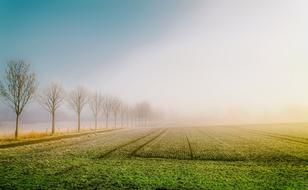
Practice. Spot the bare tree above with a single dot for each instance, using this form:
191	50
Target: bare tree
18	87
123	112
96	106
127	115
77	100
107	107
147	112
115	108
133	115
137	114
51	99
143	111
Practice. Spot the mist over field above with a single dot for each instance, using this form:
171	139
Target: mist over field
155	94
213	62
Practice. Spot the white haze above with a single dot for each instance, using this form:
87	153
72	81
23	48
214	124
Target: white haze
226	62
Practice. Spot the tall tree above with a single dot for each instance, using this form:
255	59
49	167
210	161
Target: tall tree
130	116
77	100
133	115
123	112
143	111
107	107
96	105
18	87
51	99
115	108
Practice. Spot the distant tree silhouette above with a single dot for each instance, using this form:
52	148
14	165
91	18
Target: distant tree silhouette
107	107
115	108
50	99
123	113
77	100
96	105
143	112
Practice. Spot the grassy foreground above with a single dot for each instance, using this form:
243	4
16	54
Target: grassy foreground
173	158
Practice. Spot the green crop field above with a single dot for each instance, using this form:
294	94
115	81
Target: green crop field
221	157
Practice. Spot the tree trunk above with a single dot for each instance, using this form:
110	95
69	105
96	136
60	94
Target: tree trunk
17	126
115	121
53	123
133	121
78	122
107	120
95	123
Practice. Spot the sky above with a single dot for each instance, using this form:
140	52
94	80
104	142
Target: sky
211	61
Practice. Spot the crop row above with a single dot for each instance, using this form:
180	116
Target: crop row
221	143
208	143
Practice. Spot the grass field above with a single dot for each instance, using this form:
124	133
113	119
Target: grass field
226	157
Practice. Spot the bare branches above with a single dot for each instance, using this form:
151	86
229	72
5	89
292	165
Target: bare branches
52	97
143	112
124	108
115	105
115	108
18	87
77	100
96	102
107	107
107	104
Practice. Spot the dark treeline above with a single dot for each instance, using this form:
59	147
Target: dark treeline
19	85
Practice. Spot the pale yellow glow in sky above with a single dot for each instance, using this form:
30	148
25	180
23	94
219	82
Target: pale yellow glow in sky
226	62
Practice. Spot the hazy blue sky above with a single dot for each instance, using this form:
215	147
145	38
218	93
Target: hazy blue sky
58	36
221	61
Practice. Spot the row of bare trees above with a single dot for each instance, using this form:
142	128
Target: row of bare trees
19	86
